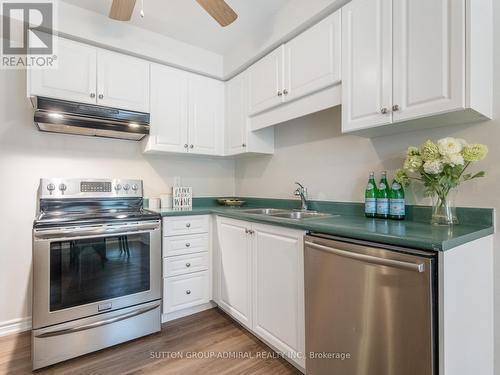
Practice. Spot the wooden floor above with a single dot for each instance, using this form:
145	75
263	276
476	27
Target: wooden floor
209	333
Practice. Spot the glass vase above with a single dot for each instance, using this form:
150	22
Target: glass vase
443	209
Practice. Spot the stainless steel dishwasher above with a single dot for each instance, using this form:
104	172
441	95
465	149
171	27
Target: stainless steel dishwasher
369	310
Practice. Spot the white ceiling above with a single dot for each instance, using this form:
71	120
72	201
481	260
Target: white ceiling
186	21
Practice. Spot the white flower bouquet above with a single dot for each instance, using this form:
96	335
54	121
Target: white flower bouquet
441	168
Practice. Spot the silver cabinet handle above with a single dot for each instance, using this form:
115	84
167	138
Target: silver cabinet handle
419	267
243	145
188	292
92	95
186	145
99	323
188	244
280	93
384	111
103	230
249	231
188	225
191	146
285	92
101	96
395	107
188	265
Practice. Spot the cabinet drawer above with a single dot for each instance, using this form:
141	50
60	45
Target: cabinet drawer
174	226
180	245
180	265
181	292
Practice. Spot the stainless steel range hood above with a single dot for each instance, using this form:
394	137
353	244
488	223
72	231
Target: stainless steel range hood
60	116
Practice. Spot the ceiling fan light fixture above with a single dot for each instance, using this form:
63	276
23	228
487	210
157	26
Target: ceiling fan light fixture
219	10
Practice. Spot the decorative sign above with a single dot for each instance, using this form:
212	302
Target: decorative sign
182	197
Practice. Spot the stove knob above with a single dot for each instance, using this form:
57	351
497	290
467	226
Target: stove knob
135	187
126	187
62	187
51	188
118	187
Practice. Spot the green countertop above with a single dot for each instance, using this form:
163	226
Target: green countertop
348	221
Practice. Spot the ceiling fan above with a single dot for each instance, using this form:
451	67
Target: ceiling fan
121	10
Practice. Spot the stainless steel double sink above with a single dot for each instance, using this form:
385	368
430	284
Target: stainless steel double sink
286	214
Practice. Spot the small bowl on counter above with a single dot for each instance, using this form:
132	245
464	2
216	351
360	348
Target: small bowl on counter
231	202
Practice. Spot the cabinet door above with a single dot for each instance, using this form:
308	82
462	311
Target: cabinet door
236	114
278	288
265	79
206	115
75	77
429	57
313	59
184	291
366	64
169	116
234	269
122	81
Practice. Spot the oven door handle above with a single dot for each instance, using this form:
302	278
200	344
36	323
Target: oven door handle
83	231
100	323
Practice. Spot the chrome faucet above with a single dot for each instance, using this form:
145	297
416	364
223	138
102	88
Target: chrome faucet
302	193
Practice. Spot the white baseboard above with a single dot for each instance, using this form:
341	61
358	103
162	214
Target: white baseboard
11	327
186	312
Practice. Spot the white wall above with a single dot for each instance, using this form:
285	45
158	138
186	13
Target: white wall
27	155
97	29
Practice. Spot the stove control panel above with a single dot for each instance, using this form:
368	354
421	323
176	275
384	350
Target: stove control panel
58	188
95	187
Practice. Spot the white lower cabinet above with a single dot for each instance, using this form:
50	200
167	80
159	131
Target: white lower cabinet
278	289
235	270
181	292
187	286
261	282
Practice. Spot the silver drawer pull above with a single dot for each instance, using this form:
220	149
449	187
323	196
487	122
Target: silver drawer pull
188	225
418	267
188	265
99	323
188	292
188	244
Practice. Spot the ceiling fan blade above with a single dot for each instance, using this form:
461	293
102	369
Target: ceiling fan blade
121	10
219	10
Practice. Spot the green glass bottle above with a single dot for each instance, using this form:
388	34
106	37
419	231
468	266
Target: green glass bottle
371	196
383	197
397	206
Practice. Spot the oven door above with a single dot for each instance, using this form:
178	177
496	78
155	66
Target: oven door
83	271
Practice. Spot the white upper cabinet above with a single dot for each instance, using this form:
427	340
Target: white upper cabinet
236	107
312	59
426	60
206	115
366	64
429	63
235	269
169	109
187	113
87	74
266	81
239	138
122	81
300	77
73	80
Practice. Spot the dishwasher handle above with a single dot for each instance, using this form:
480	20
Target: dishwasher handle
418	267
